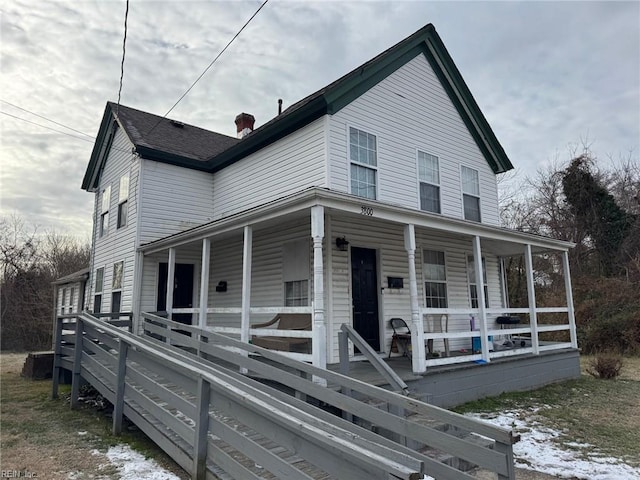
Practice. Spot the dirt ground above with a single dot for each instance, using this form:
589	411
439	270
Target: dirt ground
43	437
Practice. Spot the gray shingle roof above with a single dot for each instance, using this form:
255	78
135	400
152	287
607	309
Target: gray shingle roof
169	136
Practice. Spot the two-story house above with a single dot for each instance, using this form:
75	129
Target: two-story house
370	199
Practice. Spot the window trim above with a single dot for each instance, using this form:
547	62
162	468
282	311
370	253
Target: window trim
471	262
98	293
350	162
420	181
103	229
472	195
118	289
121	220
424	277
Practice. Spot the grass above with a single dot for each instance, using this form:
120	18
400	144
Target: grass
603	413
46	437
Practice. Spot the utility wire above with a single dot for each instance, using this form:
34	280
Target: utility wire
209	66
124	51
90	139
44	118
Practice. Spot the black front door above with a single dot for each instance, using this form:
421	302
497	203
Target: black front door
364	284
182	290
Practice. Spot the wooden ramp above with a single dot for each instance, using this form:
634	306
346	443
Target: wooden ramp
198	398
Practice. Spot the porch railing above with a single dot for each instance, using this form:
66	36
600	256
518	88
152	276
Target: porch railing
524	337
235	332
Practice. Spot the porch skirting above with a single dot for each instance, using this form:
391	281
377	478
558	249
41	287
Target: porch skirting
451	386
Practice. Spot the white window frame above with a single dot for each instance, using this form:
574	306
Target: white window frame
97	292
296	270
123	202
117	288
476	195
425	279
471	268
359	164
105	201
428	182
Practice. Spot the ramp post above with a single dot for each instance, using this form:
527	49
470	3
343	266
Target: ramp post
118	405
201	430
77	364
57	352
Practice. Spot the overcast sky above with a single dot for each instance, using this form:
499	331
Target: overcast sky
546	75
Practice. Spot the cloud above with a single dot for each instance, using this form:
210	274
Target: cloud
545	74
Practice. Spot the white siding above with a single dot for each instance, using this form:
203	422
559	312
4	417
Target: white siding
118	245
410	110
388	240
289	165
173	199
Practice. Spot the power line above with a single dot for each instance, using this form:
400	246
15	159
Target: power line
91	139
124	51
44	118
210	65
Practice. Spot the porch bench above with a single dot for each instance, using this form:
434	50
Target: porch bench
285	321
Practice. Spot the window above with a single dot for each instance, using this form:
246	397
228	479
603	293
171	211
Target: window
364	163
116	284
104	215
435	275
72	294
296	293
429	176
471	194
473	288
123	200
295	273
97	299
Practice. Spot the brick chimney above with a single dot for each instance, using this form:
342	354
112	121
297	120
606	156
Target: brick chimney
244	124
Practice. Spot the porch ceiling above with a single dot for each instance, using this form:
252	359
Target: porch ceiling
501	241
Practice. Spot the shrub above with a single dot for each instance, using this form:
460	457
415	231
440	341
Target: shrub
605	365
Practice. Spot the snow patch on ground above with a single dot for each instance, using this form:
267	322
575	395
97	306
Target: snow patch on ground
133	466
540	449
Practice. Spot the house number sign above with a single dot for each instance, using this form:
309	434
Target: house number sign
368	211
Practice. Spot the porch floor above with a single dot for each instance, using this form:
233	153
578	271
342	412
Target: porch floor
453	384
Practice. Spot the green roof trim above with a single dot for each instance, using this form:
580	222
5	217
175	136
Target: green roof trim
343	91
224	151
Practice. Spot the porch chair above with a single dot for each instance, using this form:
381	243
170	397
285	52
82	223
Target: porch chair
438	325
401	337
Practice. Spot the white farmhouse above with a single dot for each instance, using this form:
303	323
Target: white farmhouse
373	198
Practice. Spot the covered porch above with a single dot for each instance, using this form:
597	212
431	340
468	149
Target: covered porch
337	259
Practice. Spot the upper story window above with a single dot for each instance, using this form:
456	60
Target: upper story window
104	209
473	286
123	200
97	298
429	176
471	194
435	275
363	153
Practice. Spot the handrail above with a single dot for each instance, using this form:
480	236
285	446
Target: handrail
296	375
497	433
348	333
336	449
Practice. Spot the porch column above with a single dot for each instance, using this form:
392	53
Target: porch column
569	293
136	321
418	358
245	322
171	272
204	282
319	332
533	318
482	306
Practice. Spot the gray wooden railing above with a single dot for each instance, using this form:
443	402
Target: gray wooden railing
347	333
190	397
